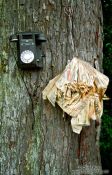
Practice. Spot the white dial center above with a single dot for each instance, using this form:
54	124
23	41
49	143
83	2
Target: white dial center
27	56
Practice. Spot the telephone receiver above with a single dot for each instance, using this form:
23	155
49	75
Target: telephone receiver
39	37
29	49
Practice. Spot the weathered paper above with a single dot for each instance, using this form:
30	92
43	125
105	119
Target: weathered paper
79	91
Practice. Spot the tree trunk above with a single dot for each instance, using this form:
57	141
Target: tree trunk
35	137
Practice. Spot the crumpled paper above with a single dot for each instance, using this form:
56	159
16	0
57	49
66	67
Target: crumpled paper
79	91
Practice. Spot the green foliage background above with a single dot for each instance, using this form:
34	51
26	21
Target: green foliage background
106	130
106	141
107	13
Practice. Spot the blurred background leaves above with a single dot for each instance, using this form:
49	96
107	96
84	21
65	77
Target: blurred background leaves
106	129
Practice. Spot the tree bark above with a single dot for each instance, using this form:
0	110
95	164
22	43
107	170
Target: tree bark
35	137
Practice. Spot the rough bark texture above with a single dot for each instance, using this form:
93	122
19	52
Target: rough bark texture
35	138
